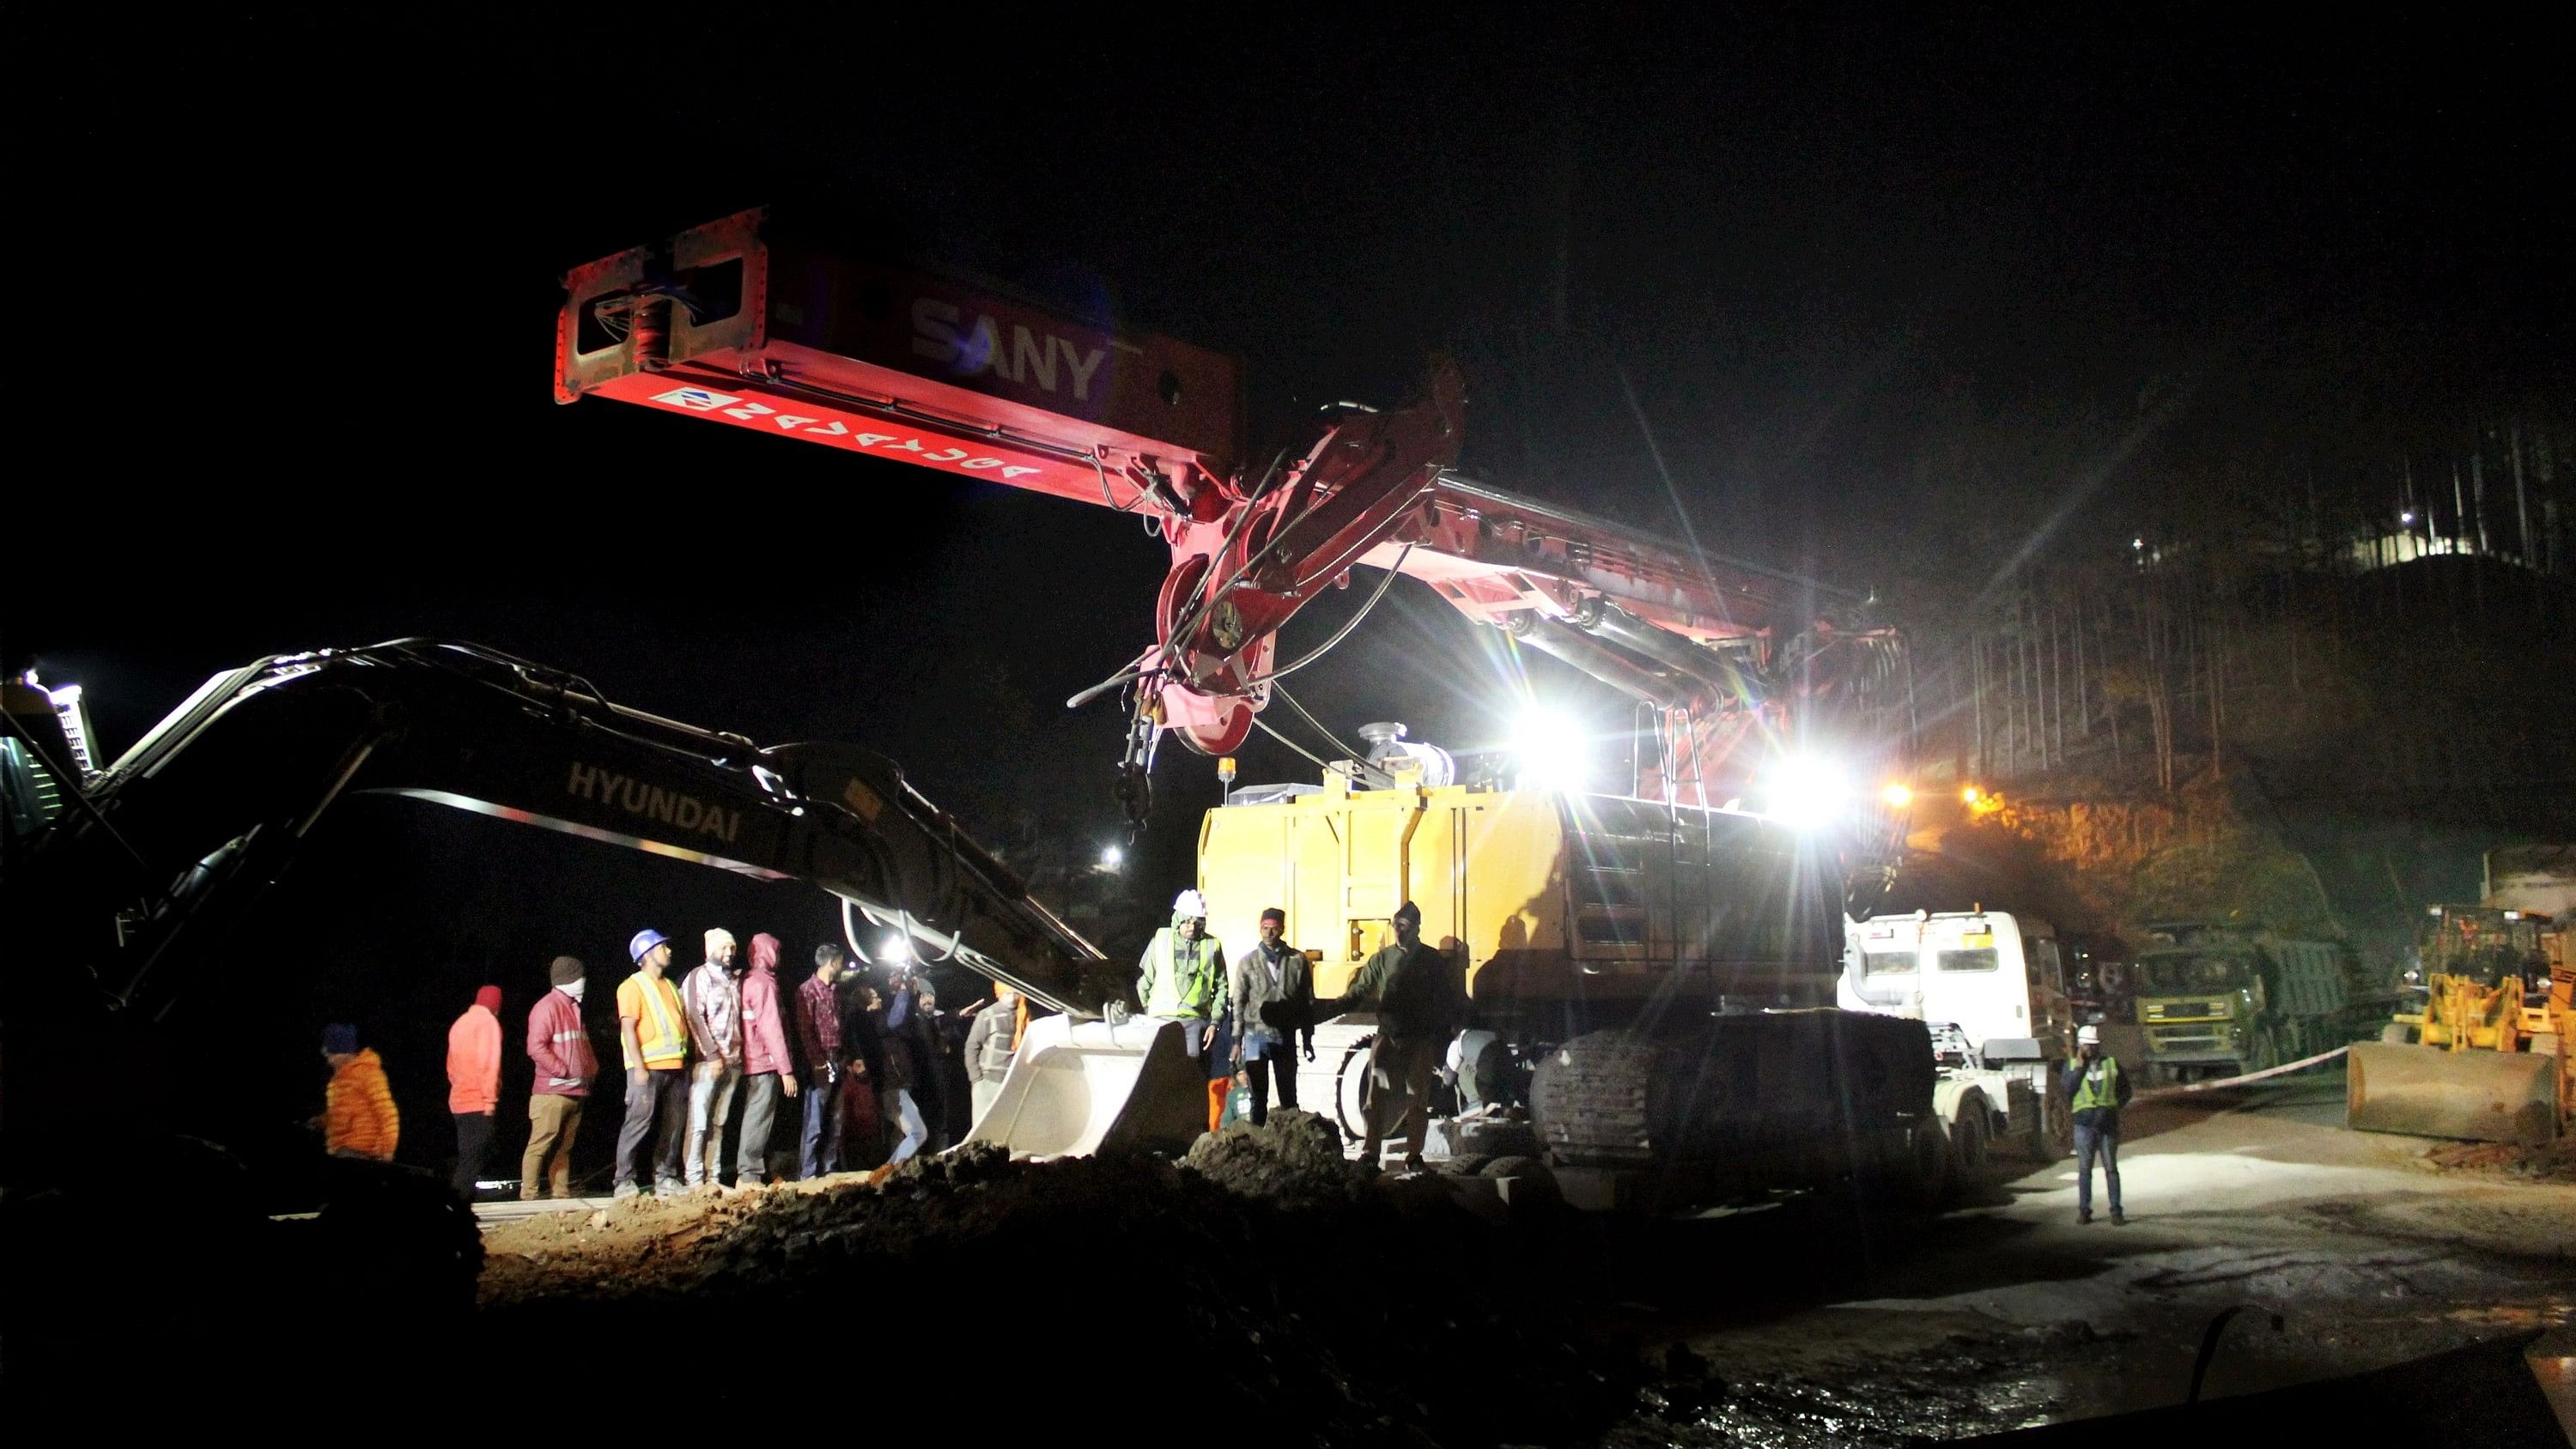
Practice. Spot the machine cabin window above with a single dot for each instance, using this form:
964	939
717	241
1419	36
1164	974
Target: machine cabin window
1981	958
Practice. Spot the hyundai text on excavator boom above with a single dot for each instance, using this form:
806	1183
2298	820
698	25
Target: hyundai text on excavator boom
1649	1000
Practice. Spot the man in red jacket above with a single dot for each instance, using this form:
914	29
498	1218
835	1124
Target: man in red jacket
474	1084
565	1067
767	1068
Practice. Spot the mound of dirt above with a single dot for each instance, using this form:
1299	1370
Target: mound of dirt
1340	1310
1295	1159
2555	1162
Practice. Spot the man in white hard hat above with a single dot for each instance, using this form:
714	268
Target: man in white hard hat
1182	974
2096	1089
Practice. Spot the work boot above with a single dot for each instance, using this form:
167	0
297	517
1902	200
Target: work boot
669	1187
2083	1219
2119	1219
1413	1162
624	1191
528	1193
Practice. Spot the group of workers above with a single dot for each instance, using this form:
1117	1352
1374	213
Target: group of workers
875	1055
1245	1019
879	1072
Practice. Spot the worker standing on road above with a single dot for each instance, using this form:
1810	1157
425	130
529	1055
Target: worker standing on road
654	1033
767	1070
474	1084
818	1042
1181	976
2098	1089
1273	996
990	1044
714	1004
565	1065
1420	1001
358	1118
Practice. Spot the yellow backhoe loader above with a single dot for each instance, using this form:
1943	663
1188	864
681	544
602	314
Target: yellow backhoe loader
2486	1056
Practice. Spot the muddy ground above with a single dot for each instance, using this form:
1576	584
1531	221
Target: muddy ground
1335	1309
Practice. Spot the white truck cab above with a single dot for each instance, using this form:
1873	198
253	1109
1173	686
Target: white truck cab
1991	988
1997	978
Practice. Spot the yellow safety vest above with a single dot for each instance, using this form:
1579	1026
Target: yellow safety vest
2107	1094
1167	993
659	1028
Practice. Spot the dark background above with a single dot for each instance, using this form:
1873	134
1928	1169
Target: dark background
283	289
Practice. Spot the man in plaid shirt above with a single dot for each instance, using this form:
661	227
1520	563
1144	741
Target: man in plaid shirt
818	1042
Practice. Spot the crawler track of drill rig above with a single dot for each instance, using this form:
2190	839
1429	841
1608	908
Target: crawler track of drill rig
1742	1104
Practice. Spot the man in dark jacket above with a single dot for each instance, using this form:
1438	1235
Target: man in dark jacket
1420	1000
2096	1090
863	1112
818	1041
908	1063
1271	999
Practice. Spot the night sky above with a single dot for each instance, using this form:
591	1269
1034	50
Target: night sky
292	285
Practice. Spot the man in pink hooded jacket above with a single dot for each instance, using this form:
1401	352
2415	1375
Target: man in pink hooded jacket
767	1067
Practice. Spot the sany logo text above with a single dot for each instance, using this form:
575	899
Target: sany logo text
1031	359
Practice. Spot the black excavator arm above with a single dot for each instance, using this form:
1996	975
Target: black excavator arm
215	800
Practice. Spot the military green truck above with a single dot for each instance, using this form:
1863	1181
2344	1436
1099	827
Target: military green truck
2217	1001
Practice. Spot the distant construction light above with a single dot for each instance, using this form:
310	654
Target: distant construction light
1971	795
894	950
1111	857
1897	796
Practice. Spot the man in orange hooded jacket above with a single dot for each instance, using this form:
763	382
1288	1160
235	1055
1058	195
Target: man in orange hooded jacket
474	1084
358	1114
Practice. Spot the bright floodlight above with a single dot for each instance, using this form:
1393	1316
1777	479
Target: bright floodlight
894	950
1111	857
1804	792
1549	749
1897	796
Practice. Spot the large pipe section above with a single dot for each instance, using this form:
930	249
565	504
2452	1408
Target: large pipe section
1599	660
1674	652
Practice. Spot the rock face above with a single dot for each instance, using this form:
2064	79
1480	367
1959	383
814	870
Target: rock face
1264	1289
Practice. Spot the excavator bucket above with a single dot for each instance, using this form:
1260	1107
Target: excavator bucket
1079	1088
2424	1091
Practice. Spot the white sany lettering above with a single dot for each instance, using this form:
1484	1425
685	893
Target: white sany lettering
870	440
1082	370
748	411
981	350
1017	472
934	327
789	422
1033	357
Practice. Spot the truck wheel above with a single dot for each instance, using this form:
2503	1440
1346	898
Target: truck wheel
2053	1135
1968	1138
1351	1087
